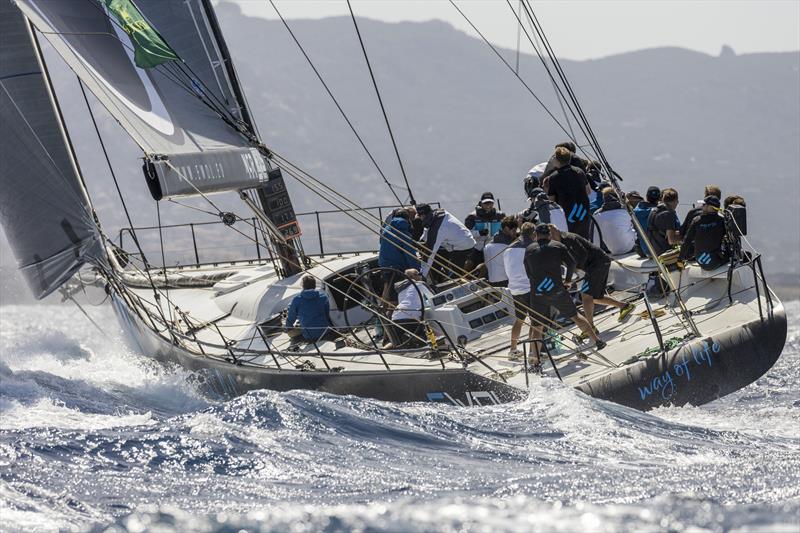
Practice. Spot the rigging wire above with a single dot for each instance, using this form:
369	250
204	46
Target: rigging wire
119	191
336	102
380	101
556	89
511	68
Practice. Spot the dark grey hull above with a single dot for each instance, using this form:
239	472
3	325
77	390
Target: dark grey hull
702	371
697	373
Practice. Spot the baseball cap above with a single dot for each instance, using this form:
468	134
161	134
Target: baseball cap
711	200
653	194
542	229
487	197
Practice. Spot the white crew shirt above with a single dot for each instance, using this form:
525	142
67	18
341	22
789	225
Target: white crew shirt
617	229
493	258
514	262
453	235
409	305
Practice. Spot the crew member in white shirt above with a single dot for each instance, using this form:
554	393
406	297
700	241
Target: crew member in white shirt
407	326
493	252
615	225
518	283
448	243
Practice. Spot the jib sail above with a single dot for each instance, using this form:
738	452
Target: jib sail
44	213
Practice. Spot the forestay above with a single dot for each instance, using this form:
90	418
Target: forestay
42	208
184	112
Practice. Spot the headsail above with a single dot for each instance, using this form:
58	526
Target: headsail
42	208
171	108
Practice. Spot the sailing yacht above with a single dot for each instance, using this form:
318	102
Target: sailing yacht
163	71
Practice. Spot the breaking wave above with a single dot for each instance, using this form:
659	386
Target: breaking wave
94	437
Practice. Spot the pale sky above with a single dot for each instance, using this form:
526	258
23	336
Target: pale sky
585	29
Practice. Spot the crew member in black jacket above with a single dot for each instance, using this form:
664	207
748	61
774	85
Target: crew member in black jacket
596	264
705	236
569	187
543	260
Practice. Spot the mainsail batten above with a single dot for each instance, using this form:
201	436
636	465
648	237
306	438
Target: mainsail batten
46	217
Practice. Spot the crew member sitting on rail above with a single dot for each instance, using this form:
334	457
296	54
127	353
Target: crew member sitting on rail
614	225
518	284
663	226
543	260
448	243
596	265
704	239
311	308
642	213
396	251
569	187
710	190
407	329
493	253
484	223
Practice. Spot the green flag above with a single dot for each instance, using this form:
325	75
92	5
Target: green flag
150	49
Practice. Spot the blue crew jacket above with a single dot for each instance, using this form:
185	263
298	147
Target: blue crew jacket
396	246
311	307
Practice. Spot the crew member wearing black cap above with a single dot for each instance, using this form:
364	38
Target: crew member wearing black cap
596	264
704	238
543	260
484	223
569	187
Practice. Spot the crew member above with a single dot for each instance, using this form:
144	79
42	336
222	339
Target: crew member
569	187
642	213
407	328
615	225
396	251
543	210
493	252
663	226
518	284
311	308
704	239
543	260
710	190
553	164
596	264
484	223
447	242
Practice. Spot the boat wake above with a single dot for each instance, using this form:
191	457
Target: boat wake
92	434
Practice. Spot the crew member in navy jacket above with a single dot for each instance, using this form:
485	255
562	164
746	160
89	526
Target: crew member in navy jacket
311	308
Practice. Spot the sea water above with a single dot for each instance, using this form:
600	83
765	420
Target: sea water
96	437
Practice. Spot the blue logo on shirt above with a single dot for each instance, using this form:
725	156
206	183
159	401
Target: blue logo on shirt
585	287
704	258
578	212
546	285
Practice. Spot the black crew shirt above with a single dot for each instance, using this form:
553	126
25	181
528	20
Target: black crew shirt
585	253
543	260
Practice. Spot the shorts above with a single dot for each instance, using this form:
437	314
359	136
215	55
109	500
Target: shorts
596	280
522	304
477	257
541	305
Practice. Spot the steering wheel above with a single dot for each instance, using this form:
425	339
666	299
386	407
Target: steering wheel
372	301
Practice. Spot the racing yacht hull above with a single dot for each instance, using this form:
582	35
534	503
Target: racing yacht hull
696	373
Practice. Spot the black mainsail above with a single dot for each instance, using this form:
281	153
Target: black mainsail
46	216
